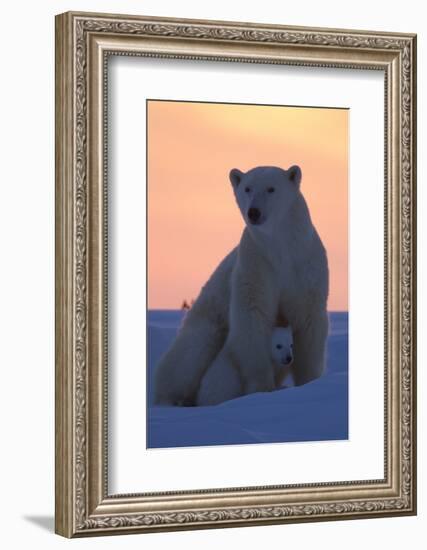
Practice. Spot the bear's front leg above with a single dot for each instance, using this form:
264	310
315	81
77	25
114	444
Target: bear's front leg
252	319
310	348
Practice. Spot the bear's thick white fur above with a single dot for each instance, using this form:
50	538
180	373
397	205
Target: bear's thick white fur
282	354
222	381
278	273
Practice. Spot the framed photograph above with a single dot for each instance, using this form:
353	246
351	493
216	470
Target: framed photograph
235	274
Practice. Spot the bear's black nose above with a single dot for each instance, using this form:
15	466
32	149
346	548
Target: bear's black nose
288	359
254	214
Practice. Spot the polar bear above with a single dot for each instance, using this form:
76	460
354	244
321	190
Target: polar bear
222	382
278	271
282	354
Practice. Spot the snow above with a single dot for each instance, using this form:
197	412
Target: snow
317	411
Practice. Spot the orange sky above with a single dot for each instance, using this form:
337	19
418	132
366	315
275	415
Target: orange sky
193	220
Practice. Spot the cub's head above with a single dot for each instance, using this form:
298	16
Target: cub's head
265	194
282	346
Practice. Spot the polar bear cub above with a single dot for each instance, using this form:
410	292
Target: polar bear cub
222	383
282	355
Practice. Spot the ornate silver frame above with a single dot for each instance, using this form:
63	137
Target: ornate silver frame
83	505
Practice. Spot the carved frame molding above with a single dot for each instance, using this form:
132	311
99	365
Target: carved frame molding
83	43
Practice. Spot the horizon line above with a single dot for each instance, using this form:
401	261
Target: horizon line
182	309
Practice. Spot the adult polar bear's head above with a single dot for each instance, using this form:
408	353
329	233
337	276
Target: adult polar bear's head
266	194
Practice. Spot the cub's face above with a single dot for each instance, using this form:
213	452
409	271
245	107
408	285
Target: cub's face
265	194
282	346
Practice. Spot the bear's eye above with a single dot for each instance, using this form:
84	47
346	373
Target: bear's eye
247	189
279	346
271	189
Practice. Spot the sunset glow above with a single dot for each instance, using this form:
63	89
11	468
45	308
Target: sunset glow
193	219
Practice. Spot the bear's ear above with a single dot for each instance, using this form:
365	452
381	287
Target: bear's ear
294	175
236	177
